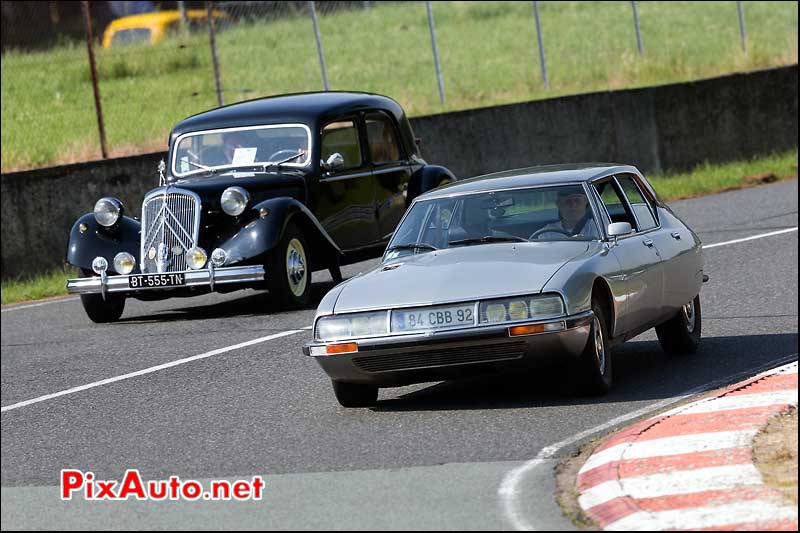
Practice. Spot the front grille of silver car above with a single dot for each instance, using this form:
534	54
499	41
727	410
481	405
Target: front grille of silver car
170	226
441	357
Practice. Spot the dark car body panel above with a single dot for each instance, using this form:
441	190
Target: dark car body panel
344	215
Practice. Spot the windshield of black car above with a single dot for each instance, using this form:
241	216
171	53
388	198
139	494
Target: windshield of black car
559	213
202	152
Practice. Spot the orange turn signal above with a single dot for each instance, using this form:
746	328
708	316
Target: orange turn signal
531	329
347	347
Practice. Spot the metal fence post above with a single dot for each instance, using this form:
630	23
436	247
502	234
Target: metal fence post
431	26
540	40
322	66
742	29
97	106
213	42
184	17
639	44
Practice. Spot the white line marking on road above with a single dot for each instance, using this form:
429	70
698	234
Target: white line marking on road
509	488
149	370
739	401
704	517
678	482
720	440
753	237
28	306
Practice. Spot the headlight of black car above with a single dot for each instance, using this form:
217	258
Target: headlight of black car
234	201
108	211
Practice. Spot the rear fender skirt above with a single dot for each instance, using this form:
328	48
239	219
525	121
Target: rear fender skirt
427	178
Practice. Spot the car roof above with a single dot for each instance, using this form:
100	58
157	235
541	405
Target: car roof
302	107
155	18
530	177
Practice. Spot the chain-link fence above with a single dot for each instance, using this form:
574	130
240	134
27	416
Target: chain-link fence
159	67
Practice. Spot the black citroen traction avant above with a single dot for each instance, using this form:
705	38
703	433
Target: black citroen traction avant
257	194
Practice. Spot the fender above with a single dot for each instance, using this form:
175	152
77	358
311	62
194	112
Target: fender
261	235
98	240
427	178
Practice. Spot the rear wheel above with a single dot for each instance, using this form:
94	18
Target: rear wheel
681	333
101	310
594	367
355	394
288	270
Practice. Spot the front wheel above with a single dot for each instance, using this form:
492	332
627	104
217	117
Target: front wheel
355	394
681	333
288	270
594	370
99	310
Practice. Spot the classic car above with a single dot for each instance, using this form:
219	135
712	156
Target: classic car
152	28
510	271
256	194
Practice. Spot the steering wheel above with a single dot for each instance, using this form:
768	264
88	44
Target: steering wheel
285	153
549	230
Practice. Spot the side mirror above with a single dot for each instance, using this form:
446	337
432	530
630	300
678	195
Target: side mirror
334	161
618	229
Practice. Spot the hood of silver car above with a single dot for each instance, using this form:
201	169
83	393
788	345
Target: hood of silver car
468	272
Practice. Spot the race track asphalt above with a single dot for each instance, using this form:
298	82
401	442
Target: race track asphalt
428	456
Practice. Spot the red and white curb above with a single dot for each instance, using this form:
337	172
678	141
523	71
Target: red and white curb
692	467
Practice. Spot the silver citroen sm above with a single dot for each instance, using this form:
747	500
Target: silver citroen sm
512	270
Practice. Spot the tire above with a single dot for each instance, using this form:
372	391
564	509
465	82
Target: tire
681	333
594	368
355	394
102	311
288	272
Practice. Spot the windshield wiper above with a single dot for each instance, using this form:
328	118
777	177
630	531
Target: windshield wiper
198	165
418	246
279	163
486	239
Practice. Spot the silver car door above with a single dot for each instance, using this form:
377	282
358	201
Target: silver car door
640	262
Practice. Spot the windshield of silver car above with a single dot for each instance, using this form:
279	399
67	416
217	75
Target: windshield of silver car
560	213
199	152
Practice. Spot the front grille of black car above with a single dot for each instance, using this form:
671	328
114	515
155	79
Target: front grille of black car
170	220
441	357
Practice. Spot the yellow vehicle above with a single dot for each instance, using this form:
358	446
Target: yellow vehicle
151	27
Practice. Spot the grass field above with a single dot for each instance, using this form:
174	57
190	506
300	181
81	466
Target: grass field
705	179
488	54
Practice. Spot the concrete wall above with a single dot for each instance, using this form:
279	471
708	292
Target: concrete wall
670	127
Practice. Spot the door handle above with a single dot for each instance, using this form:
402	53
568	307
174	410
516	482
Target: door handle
648	243
676	235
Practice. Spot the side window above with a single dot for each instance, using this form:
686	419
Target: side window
342	137
638	203
615	206
383	144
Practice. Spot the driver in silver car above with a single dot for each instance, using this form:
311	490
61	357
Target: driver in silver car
574	216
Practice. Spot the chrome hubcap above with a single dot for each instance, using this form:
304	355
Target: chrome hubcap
599	348
688	315
296	267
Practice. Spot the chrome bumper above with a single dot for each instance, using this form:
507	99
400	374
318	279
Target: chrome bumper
405	359
193	278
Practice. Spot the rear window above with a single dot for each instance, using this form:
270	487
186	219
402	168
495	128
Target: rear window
638	203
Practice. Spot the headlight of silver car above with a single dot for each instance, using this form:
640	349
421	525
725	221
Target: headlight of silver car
521	308
107	211
234	201
350	326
